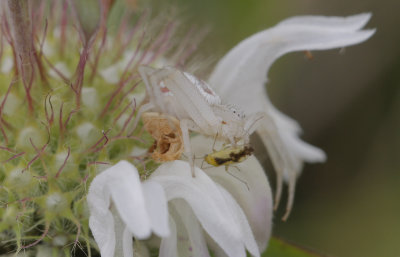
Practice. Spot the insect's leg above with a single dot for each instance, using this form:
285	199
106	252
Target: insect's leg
250	125
241	180
144	108
215	139
185	126
236	167
232	141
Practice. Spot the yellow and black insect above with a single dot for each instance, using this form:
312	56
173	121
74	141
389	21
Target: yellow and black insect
229	155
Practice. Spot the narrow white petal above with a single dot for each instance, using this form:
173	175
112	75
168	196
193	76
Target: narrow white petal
197	244
207	202
256	200
102	228
168	245
127	195
123	238
214	247
101	221
157	209
241	220
127	243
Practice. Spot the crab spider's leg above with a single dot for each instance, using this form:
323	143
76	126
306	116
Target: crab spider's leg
145	73
144	108
192	101
187	125
151	80
251	122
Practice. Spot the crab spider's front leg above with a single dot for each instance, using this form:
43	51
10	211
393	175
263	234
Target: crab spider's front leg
144	108
251	123
187	125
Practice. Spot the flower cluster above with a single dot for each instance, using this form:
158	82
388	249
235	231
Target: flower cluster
75	172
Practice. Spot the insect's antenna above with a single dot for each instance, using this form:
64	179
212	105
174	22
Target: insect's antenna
241	180
235	167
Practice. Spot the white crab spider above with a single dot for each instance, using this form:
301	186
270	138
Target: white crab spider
196	106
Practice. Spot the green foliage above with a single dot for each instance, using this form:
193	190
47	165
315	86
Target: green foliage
280	248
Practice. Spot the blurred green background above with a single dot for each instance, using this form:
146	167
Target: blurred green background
347	103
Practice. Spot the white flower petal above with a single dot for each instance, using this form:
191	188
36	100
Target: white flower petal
245	67
255	201
196	244
240	76
101	221
240	219
188	237
207	202
102	228
349	23
123	238
127	243
168	245
157	209
127	195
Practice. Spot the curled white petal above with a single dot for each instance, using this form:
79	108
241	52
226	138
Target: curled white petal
244	68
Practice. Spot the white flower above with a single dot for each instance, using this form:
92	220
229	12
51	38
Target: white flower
241	74
195	205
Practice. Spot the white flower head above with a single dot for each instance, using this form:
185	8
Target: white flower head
121	207
230	214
